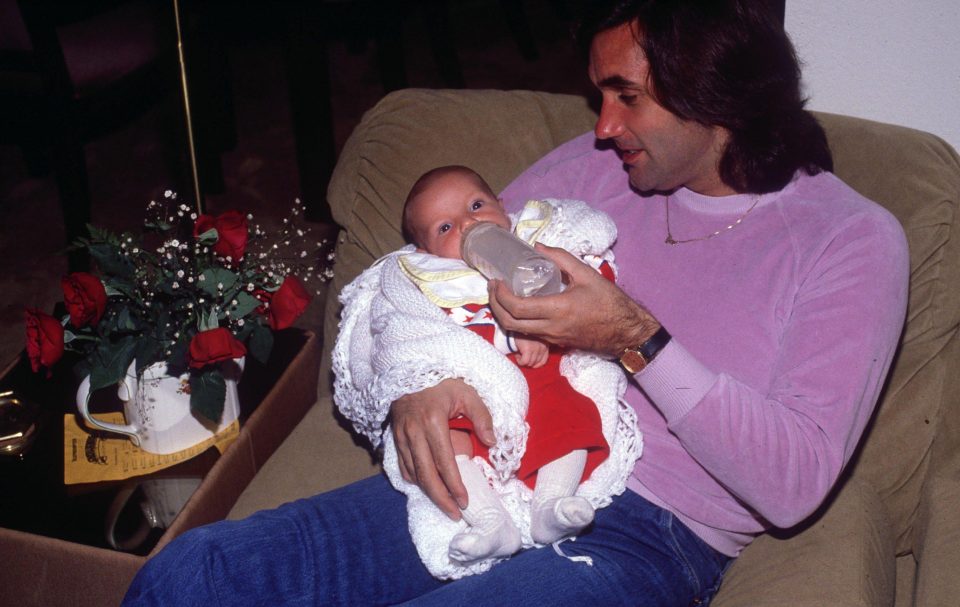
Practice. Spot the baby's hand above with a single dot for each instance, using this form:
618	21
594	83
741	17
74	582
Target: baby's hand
531	352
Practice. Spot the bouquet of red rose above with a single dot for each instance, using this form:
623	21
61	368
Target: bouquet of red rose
190	291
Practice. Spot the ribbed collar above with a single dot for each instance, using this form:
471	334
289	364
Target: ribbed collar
724	205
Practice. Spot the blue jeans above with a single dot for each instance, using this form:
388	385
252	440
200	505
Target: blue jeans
351	547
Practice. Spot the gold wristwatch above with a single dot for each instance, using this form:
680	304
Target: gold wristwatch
634	359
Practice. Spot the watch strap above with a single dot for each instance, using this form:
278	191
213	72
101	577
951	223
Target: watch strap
635	359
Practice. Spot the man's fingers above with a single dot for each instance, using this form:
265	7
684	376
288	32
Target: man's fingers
446	465
405	463
566	261
517	308
479	416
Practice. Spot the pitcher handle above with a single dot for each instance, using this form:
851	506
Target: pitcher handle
83	404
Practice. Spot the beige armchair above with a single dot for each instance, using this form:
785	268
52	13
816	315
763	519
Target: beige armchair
890	533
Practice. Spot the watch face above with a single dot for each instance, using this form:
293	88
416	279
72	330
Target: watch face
632	361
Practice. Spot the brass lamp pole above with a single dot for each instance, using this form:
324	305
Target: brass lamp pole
198	198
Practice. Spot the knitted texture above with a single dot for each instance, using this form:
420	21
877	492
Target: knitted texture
394	342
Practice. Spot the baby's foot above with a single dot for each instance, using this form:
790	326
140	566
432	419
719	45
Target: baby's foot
559	517
494	537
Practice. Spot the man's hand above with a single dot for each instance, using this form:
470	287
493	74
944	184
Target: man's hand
531	353
421	431
592	314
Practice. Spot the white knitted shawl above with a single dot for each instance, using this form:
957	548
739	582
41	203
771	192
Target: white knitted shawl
393	342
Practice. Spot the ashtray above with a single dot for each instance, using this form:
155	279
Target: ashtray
19	421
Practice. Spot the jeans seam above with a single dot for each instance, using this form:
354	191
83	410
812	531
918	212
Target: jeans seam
668	521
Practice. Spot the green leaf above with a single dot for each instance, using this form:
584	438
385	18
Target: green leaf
217	276
124	321
147	352
261	343
110	361
207	393
68	336
177	360
246	304
209	321
120	287
109	259
209	237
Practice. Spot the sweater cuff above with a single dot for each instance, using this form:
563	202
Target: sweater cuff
675	381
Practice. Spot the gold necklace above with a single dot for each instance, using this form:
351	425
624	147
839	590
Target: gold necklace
671	240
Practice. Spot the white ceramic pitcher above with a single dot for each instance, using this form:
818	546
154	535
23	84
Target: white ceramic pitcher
156	408
162	500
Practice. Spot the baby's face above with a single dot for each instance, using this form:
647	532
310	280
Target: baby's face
449	205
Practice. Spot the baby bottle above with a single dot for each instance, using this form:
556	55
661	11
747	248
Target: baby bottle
497	253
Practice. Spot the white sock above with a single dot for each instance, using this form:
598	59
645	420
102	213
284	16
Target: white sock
556	512
492	532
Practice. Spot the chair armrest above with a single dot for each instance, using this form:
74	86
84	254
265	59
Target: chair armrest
845	556
318	455
937	540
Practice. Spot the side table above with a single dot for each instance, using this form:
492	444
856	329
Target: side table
59	565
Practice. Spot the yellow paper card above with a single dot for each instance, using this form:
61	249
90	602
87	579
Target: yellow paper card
91	458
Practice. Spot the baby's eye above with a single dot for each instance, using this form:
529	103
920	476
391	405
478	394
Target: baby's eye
444	228
476	205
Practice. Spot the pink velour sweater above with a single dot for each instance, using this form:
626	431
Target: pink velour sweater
783	331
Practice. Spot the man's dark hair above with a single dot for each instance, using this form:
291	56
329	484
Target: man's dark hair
725	63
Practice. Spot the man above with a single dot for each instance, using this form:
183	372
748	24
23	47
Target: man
757	311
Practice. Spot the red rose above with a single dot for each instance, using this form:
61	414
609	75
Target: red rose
288	303
44	339
213	346
85	298
232	233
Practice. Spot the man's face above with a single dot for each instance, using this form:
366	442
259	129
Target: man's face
662	152
450	204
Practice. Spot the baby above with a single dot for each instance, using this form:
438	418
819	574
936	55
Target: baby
565	441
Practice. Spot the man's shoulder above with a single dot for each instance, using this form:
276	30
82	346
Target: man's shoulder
827	187
824	204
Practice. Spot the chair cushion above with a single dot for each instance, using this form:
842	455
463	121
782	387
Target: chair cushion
319	455
846	554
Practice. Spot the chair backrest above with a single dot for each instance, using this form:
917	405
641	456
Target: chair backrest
916	176
913	174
